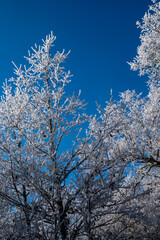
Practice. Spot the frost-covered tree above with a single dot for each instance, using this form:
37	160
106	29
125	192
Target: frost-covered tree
36	121
147	62
131	132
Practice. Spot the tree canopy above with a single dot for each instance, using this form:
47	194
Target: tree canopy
68	176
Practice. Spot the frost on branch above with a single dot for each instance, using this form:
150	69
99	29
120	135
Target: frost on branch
60	181
147	60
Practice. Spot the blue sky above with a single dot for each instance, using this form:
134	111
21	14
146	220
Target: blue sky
101	35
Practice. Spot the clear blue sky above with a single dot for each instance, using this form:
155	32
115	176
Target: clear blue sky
101	35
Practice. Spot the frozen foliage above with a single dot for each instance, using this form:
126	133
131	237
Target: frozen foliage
148	53
60	181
